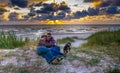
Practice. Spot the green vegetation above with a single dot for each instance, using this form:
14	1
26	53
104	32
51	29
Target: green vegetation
73	57
11	68
65	40
104	38
22	71
92	62
105	41
75	37
114	71
85	55
10	41
73	54
33	42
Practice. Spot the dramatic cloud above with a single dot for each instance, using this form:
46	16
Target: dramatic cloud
111	10
51	11
2	10
104	3
35	1
13	16
47	8
89	12
40	10
20	3
64	7
61	11
52	7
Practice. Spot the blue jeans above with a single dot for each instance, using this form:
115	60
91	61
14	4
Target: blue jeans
45	53
56	51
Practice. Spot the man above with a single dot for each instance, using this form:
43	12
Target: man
53	45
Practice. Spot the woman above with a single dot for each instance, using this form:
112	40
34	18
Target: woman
43	51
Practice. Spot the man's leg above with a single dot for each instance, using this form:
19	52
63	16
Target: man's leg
56	51
45	53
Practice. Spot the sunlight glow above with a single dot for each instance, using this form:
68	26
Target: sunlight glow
96	3
52	22
5	16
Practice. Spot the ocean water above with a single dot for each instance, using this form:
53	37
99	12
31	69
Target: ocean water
58	31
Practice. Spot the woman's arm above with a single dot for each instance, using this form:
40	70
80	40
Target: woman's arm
41	43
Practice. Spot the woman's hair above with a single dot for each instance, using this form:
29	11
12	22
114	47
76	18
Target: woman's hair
43	36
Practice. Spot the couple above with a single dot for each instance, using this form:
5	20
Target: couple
48	49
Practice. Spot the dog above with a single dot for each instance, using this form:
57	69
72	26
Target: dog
67	48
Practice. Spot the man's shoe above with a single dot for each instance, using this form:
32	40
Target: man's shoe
55	61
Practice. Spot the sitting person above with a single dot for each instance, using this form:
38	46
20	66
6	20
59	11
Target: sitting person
43	51
53	45
48	49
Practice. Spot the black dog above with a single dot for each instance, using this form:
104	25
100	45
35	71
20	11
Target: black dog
67	48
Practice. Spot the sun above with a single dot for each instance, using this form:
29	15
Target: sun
54	22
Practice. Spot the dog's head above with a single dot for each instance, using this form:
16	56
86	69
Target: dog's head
69	44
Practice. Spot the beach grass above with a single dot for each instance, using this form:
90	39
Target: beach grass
9	40
114	71
104	41
33	42
65	40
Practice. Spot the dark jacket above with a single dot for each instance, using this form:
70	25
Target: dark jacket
48	44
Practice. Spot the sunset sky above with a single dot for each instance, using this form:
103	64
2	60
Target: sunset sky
59	11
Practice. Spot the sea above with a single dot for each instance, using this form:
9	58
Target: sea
59	31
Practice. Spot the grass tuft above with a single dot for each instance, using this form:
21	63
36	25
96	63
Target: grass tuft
114	71
104	38
65	40
10	41
92	62
105	41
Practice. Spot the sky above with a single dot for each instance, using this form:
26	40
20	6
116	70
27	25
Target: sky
61	11
80	5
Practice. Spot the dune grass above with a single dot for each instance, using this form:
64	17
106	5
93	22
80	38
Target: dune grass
33	42
105	41
65	40
10	41
114	71
104	38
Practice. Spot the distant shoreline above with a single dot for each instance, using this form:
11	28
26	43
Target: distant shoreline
75	22
39	26
59	24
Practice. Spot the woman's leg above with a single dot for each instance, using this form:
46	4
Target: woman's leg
45	53
42	50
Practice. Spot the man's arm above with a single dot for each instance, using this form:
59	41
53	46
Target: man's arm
51	43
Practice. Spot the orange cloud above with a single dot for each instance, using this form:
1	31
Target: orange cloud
97	3
36	1
5	16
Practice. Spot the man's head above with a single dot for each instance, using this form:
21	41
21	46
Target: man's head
49	36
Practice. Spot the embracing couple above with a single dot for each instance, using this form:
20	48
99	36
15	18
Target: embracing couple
48	49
